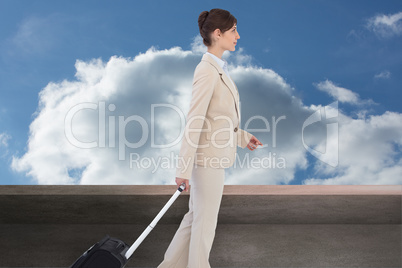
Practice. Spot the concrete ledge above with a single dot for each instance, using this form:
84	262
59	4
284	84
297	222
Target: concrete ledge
258	204
259	226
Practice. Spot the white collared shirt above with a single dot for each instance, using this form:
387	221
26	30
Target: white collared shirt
223	64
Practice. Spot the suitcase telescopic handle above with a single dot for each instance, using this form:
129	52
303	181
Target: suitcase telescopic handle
144	234
182	187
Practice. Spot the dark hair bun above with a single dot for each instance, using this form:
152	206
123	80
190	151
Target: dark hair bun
202	18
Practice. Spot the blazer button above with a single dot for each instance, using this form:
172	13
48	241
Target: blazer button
235	130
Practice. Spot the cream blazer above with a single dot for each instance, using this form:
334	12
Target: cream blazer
212	132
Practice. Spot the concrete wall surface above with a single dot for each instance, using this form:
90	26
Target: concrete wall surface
259	226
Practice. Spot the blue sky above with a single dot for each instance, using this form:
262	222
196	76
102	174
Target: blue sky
311	52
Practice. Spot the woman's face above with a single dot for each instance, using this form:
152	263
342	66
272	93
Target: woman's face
229	39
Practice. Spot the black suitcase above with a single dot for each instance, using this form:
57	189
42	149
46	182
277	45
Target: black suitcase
114	253
109	252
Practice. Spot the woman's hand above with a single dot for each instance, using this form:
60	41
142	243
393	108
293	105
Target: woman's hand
179	181
253	143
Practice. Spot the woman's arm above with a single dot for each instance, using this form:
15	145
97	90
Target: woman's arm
203	87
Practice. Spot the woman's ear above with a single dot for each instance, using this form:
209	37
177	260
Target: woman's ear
216	35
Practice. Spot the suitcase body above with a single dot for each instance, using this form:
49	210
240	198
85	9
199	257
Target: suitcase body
107	253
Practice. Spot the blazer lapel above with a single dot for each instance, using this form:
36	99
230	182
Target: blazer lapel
225	80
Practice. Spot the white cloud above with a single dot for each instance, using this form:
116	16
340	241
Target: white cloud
386	25
118	96
4	138
339	93
383	75
369	147
131	86
369	152
197	46
36	35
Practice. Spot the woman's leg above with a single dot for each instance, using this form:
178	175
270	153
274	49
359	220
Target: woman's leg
206	190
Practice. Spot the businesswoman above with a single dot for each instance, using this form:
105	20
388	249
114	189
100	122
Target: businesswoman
209	145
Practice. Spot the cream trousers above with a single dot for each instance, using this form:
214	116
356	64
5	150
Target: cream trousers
193	240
